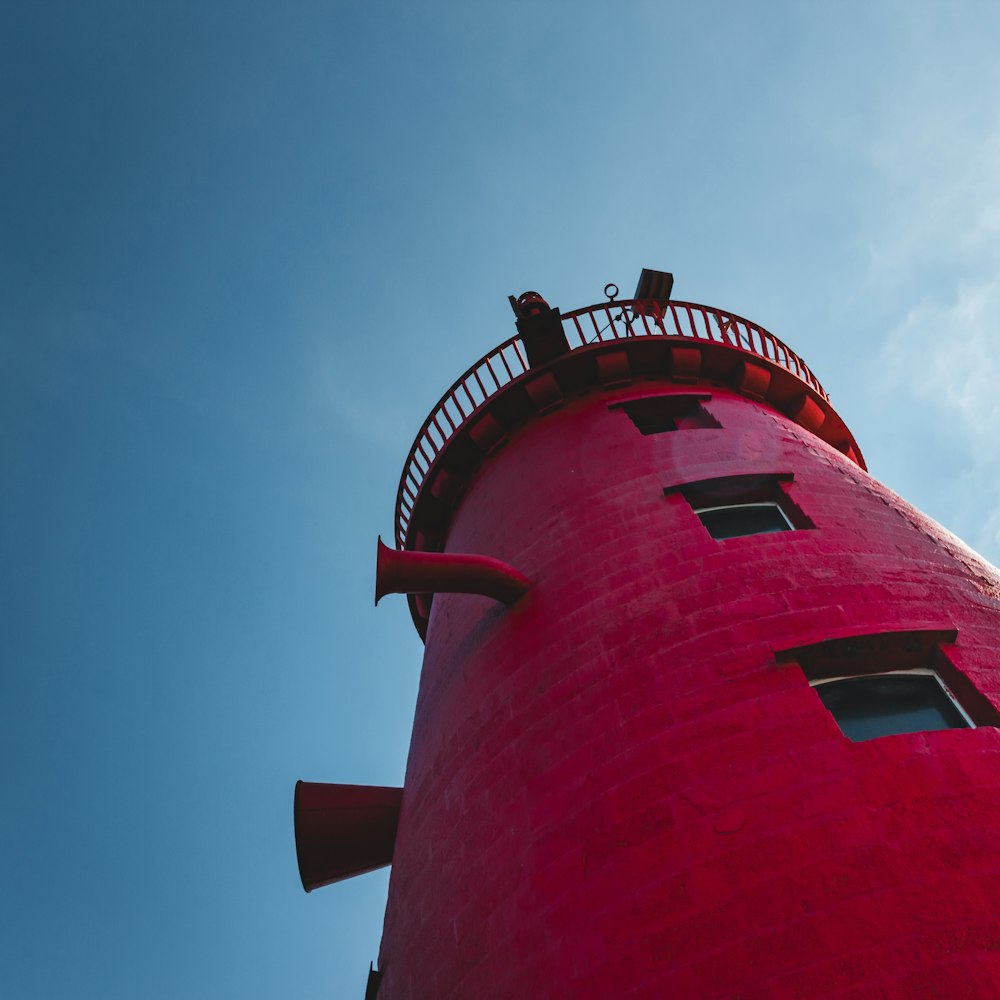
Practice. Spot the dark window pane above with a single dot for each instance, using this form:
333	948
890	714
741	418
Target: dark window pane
885	704
747	519
659	414
653	423
697	419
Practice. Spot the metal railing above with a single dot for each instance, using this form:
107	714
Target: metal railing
601	323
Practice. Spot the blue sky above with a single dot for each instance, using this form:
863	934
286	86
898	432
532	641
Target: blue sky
246	246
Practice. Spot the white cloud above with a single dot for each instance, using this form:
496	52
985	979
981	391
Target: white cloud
935	257
948	356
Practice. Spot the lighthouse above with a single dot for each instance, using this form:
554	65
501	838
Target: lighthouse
705	710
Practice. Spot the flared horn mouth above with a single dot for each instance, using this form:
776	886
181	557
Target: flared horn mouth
343	830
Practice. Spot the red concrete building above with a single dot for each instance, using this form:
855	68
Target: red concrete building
705	710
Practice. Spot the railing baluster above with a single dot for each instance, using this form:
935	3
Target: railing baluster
677	323
597	330
470	399
692	326
452	413
479	382
520	355
706	326
499	358
493	375
443	413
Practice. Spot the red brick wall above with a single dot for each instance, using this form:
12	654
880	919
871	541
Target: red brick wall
614	790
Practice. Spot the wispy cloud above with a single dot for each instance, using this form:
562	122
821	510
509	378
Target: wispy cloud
935	253
948	355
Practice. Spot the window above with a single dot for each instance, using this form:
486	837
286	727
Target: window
891	683
735	506
912	701
743	519
680	411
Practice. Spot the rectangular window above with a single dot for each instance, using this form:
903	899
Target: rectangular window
679	411
892	683
912	701
734	506
744	519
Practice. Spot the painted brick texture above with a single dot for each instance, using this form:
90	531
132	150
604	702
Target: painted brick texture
614	788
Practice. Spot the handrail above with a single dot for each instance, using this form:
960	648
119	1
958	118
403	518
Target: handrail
607	321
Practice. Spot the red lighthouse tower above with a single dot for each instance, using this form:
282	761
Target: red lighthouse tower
705	710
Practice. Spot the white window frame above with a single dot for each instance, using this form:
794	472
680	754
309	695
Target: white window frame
897	673
744	506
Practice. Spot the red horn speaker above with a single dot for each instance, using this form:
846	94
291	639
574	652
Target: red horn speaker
343	830
406	572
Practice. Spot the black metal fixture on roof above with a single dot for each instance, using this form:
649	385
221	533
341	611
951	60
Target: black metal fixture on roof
653	287
540	327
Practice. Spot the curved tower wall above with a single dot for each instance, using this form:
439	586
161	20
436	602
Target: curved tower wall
624	784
